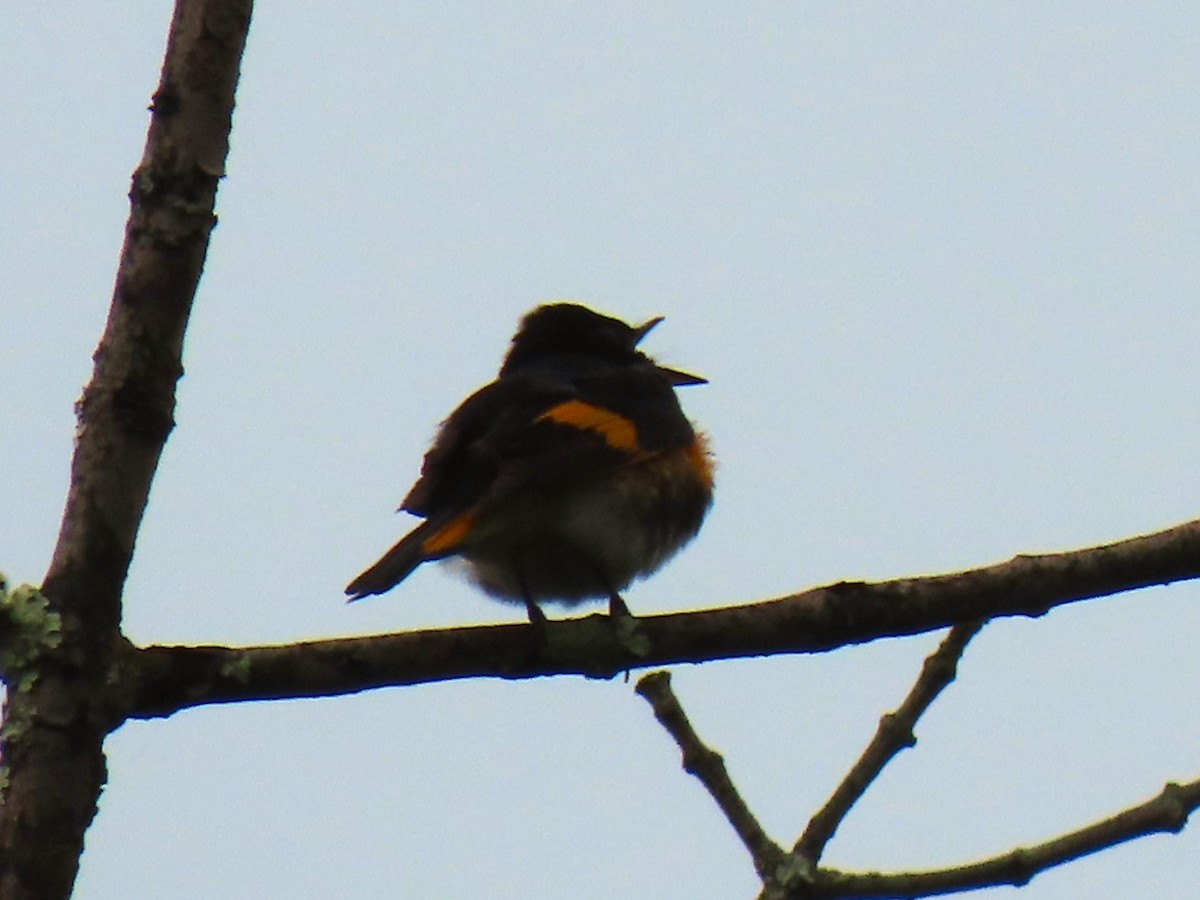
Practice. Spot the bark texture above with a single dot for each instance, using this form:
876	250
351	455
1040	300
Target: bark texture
58	714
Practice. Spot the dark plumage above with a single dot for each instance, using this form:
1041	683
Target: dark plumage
571	474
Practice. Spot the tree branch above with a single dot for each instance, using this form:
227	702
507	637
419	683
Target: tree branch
55	721
708	767
127	410
895	733
1166	813
795	874
158	681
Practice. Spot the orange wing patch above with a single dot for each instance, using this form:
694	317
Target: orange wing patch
618	432
449	535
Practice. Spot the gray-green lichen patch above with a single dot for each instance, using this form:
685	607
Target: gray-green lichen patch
28	628
237	669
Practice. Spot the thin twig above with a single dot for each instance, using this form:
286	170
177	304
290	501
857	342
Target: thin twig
709	767
1166	813
895	733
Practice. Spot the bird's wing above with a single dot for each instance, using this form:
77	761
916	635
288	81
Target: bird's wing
533	432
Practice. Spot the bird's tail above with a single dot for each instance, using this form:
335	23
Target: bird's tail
393	567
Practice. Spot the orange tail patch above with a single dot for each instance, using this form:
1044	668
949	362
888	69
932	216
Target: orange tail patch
449	535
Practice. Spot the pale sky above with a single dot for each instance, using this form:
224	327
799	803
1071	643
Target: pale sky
939	262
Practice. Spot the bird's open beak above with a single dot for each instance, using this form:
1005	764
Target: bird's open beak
644	330
676	377
681	379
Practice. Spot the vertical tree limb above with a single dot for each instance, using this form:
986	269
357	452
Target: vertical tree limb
55	724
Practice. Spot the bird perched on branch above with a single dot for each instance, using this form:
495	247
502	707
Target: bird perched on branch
566	478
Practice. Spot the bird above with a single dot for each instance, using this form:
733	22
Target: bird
566	478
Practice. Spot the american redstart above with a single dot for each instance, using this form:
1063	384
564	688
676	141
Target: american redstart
566	478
